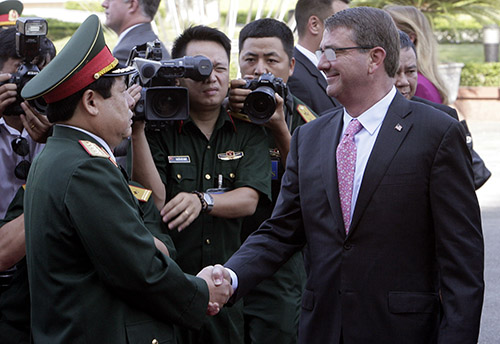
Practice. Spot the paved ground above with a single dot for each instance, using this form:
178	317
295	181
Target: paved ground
486	136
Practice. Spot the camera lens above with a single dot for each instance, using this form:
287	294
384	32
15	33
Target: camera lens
260	104
165	104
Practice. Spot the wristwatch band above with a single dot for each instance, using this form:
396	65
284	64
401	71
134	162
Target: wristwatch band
207	201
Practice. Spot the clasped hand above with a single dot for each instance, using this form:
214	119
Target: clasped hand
219	286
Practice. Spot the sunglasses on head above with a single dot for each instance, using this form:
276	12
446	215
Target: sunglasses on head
21	147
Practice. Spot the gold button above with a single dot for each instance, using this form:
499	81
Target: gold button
209	147
154	341
207	241
179	176
207	176
232	175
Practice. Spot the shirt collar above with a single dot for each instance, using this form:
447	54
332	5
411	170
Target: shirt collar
309	54
13	131
372	118
95	137
223	120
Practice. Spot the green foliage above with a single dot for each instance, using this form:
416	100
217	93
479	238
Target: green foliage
480	74
483	11
59	29
464	53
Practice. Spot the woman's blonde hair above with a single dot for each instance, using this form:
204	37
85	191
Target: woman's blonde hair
413	22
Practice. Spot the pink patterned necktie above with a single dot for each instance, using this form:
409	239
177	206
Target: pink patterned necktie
346	164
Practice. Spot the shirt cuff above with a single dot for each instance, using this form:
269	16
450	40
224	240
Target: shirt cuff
234	279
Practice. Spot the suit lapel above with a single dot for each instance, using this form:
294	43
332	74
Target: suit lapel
329	139
393	132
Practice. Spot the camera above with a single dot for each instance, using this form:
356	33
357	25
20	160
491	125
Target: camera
161	101
30	32
260	104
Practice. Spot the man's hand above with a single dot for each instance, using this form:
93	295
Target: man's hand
237	95
135	93
36	124
8	92
181	210
219	286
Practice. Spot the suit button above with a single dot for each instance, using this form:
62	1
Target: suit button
154	341
208	176
347	246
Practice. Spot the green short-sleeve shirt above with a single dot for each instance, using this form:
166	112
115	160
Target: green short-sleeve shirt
237	153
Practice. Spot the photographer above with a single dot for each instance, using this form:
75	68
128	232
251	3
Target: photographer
272	308
207	150
21	138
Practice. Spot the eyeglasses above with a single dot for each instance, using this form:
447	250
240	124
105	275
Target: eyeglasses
21	147
330	53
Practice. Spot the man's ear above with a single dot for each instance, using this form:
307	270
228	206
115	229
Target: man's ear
292	66
89	102
315	25
133	6
376	59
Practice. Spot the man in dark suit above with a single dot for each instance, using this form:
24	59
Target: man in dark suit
308	82
404	262
96	273
131	20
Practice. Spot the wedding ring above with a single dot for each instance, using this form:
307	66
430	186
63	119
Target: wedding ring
32	126
187	212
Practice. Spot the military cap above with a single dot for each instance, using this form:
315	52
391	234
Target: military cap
84	59
10	10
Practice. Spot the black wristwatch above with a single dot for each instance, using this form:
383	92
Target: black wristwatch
207	201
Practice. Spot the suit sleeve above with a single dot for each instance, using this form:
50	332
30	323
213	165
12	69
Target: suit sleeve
459	240
278	238
122	249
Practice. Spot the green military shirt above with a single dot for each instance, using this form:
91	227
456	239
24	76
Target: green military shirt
187	161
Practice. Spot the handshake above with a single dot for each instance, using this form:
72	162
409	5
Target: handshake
219	286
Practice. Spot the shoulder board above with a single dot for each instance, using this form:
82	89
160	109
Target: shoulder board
305	113
24	186
140	193
93	149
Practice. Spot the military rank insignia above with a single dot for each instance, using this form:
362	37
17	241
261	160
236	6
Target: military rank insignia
96	151
140	193
230	155
305	113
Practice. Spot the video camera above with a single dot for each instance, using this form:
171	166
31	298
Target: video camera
30	32
161	101
260	104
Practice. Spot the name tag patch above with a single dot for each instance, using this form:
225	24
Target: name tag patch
179	159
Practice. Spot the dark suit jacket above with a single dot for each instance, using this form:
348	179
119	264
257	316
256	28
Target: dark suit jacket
94	272
309	85
445	108
139	35
411	268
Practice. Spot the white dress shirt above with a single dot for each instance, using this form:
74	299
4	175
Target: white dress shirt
371	120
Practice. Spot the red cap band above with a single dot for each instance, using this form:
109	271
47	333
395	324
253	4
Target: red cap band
84	77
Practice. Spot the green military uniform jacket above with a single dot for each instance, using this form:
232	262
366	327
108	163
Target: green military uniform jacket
237	152
95	274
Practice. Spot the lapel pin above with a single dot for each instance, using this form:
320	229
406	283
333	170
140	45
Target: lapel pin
398	127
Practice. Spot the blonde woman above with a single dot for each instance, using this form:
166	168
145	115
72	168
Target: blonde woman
413	22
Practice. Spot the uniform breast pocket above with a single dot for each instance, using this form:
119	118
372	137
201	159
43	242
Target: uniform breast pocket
182	178
226	174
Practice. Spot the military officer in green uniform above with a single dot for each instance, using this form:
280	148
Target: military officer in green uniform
272	309
95	272
211	171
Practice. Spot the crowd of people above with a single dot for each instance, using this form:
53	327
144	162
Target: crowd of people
347	215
